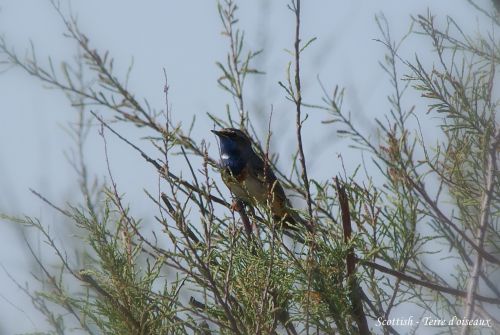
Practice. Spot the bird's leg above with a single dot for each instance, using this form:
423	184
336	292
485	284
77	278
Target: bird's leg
239	206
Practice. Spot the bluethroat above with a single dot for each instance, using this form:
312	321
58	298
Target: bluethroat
250	179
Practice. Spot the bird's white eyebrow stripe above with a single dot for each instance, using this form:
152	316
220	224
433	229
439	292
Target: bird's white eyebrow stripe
224	156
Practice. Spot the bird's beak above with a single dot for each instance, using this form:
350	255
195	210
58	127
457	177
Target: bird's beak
218	133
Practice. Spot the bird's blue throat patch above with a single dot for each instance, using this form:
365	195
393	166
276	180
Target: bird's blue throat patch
232	156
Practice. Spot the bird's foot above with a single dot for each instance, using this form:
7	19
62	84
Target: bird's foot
237	205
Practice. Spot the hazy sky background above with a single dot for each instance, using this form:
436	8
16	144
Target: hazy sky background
184	38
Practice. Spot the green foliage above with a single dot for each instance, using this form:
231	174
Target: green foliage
212	269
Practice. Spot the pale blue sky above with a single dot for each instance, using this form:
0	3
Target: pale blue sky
184	38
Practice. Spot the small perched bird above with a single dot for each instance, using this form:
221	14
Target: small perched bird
250	180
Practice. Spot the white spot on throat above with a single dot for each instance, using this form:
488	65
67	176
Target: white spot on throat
224	156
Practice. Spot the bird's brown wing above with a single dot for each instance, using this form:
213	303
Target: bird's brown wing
265	175
276	196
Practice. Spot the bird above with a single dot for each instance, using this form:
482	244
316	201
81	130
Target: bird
252	181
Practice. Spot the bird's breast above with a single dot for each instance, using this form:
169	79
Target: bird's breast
245	186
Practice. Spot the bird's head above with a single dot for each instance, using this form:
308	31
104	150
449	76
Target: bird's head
233	142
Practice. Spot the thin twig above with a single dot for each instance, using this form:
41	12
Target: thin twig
159	167
483	225
407	278
297	97
298	113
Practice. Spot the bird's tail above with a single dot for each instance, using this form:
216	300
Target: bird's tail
292	220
